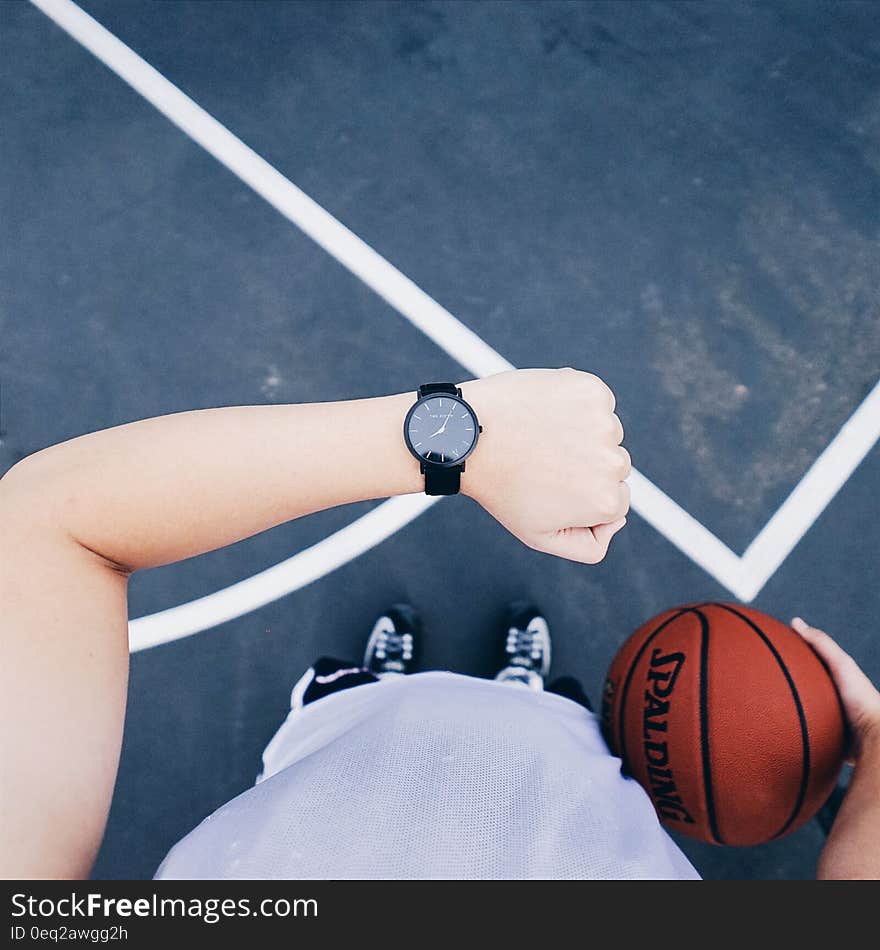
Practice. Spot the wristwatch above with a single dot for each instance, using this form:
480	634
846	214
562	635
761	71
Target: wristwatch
441	431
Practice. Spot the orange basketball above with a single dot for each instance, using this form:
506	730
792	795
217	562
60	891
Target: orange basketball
728	719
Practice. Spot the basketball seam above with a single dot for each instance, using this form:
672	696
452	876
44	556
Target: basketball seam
707	778
708	792
805	736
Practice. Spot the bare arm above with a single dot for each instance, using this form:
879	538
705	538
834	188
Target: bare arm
78	518
853	847
852	851
160	490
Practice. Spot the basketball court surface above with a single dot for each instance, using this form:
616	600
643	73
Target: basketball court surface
208	204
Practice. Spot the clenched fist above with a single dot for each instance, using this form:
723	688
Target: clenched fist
549	465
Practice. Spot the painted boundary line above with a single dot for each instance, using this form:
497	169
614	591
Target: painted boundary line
811	496
742	576
358	257
281	579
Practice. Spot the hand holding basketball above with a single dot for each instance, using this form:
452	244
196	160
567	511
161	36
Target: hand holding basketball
549	465
859	696
728	719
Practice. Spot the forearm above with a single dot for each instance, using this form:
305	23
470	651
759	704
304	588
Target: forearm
853	847
78	517
171	487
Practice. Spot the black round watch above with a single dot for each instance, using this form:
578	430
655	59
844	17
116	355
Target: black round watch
441	431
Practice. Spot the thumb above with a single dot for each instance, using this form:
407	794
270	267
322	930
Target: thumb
586	545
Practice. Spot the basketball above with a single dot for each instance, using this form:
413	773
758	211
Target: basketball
728	719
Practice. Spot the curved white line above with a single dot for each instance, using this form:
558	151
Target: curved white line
304	567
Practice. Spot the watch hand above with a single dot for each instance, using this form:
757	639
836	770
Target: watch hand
443	427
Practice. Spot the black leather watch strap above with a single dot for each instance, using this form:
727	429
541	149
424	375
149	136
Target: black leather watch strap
442	481
430	388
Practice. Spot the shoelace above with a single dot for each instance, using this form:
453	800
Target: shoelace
523	646
396	644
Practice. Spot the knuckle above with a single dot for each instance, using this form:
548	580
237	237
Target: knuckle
609	425
608	505
601	391
570	379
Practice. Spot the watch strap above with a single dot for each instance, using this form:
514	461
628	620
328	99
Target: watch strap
442	481
430	388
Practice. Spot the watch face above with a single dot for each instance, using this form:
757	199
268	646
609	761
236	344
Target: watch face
441	430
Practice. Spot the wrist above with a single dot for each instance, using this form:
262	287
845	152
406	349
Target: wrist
392	468
477	470
868	740
441	431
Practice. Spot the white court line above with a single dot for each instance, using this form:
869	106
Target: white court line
461	343
684	531
691	537
810	496
304	567
389	283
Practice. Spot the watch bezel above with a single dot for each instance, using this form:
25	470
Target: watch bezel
413	451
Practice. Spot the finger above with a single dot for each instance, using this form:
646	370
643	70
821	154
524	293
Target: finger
626	463
859	696
837	659
603	533
585	545
623	505
618	428
857	692
610	507
607	391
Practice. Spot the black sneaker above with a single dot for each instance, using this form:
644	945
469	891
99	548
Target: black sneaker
527	641
391	647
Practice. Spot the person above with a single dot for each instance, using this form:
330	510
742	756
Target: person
424	775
